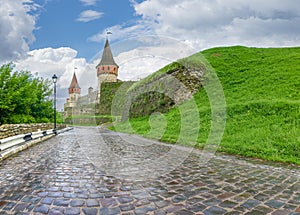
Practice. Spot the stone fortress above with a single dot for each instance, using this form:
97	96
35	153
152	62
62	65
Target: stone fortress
158	95
107	72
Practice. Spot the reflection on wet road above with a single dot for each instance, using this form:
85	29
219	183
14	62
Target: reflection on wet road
94	171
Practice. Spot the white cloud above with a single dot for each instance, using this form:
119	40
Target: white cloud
139	54
62	62
153	53
16	26
209	23
89	2
89	15
165	30
122	32
199	24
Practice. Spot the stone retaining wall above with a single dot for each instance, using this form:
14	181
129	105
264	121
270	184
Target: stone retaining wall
165	90
8	130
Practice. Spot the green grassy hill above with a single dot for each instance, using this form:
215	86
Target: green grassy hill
262	93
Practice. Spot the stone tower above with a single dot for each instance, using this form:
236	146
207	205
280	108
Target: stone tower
74	95
74	90
107	69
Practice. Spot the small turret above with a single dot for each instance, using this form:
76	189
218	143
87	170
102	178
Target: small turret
74	89
90	91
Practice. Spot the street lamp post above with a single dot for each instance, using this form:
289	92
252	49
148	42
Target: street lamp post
54	79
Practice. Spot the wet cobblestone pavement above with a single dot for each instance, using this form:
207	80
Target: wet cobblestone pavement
89	172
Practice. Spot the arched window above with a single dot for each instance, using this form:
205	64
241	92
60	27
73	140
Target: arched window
108	68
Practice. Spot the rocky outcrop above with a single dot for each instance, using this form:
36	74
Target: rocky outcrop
164	91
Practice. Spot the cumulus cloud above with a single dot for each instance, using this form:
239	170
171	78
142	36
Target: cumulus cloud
164	31
60	61
204	24
89	15
16	26
63	62
139	53
210	23
152	53
199	24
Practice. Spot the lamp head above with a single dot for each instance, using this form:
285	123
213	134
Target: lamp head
54	78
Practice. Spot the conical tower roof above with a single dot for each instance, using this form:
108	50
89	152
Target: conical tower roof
107	57
74	82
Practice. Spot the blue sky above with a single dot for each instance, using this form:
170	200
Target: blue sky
55	36
58	24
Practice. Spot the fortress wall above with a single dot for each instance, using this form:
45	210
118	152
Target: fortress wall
8	130
108	93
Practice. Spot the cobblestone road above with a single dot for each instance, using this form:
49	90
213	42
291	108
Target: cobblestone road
93	171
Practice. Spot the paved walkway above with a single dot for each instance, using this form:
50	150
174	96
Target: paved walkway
93	171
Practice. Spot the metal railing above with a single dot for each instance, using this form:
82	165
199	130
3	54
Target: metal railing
10	142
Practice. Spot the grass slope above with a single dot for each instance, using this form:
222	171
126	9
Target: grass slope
262	92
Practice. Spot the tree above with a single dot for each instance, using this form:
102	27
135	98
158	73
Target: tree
23	98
